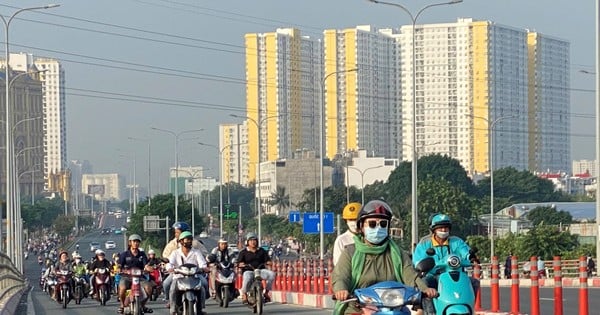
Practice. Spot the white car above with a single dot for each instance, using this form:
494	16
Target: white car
94	246
110	245
203	235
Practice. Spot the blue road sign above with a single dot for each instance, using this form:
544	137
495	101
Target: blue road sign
294	216
312	221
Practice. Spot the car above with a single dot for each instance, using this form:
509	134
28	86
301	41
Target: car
203	235
110	245
118	232
128	219
94	246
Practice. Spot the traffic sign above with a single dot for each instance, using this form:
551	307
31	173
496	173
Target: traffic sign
294	216
312	222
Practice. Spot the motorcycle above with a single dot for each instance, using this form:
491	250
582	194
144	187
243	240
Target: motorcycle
386	298
63	286
255	293
133	296
79	289
456	295
190	293
102	285
156	279
224	284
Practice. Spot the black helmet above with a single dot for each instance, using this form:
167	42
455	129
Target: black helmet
374	209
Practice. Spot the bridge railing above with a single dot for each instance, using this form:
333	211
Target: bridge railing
12	285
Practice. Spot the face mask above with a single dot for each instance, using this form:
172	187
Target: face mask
352	226
442	235
187	245
375	235
77	261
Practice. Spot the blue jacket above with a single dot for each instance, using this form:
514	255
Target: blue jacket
453	245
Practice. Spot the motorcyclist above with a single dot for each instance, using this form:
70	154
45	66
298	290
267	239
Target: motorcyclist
133	257
443	244
373	258
77	246
63	264
152	259
254	257
100	262
178	228
80	269
350	214
220	254
185	254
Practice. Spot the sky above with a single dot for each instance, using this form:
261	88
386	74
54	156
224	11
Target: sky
179	65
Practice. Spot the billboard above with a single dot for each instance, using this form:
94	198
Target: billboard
95	189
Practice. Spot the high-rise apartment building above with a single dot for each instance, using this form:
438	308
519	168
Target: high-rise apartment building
52	76
232	144
283	75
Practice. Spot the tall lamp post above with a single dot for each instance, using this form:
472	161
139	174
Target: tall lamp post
491	145
176	135
414	212
149	167
322	158
11	209
362	179
221	180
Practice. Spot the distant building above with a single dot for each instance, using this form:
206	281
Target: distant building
585	166
232	146
362	170
103	186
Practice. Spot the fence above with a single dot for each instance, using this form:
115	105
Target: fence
12	285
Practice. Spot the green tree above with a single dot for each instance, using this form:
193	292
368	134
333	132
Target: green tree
549	216
63	225
280	199
547	241
43	213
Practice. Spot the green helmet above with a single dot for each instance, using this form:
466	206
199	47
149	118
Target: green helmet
185	234
251	235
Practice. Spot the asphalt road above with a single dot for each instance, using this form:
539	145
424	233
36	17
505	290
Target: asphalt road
42	304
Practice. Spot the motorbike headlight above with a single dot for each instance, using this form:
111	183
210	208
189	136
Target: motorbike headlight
136	272
454	261
391	297
101	271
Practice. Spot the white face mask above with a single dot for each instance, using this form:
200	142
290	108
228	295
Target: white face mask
351	226
442	234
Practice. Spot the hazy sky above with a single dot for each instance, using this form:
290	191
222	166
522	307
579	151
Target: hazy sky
179	65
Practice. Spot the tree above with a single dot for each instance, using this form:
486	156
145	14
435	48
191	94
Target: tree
63	225
280	199
549	216
547	241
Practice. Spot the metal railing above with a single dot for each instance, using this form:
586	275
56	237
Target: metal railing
12	284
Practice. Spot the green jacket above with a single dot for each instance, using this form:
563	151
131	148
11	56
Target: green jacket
377	268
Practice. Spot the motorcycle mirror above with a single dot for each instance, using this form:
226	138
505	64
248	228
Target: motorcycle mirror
473	250
430	251
425	265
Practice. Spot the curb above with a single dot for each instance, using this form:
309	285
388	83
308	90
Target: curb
30	307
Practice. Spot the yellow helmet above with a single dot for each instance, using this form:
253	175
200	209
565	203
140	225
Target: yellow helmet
351	211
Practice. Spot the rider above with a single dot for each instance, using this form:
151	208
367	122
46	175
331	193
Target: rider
373	258
178	228
133	257
350	214
100	262
186	254
62	264
443	244
80	269
220	254
254	257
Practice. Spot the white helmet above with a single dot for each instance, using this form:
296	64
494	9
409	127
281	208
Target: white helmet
151	252
99	252
75	255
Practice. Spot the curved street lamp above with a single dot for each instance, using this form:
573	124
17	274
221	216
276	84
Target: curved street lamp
414	213
362	179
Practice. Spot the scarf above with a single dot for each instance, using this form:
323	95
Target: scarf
358	263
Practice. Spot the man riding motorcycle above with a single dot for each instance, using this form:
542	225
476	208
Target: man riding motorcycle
63	264
254	257
100	262
220	254
133	257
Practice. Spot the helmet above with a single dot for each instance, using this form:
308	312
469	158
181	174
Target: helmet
222	240
135	237
374	209
63	252
251	235
99	252
182	226
151	252
351	211
75	255
115	255
438	220
185	234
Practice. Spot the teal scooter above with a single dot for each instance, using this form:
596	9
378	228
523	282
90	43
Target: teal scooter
456	295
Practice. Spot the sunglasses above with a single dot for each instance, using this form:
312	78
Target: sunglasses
372	224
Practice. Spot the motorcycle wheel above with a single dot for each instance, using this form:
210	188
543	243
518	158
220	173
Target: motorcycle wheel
137	308
225	296
155	294
188	308
65	296
102	295
78	294
258	307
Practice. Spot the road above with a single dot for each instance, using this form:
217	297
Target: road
42	304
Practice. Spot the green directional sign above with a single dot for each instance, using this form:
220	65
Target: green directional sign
230	213
231	216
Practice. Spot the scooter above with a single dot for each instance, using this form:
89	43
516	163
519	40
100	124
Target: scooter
456	295
102	285
386	298
224	284
255	293
190	294
133	297
156	279
63	286
79	289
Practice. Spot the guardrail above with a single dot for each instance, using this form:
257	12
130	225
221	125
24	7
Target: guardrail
12	285
570	269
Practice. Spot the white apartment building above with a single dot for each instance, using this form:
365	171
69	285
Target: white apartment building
103	186
283	75
585	166
364	170
54	107
232	145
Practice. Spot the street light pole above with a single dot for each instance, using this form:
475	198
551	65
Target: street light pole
176	135
362	179
597	131
322	158
414	204
149	168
